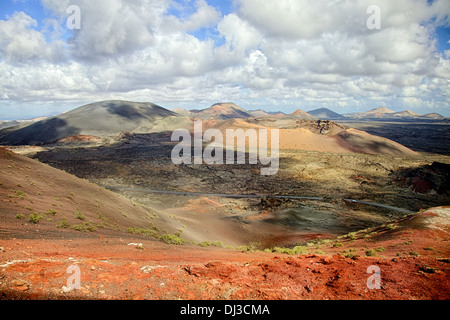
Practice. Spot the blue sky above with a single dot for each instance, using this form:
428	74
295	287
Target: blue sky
443	38
33	7
276	55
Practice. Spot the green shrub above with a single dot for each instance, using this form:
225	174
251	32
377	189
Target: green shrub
143	231
84	227
371	253
295	250
211	244
350	255
20	216
36	217
79	215
18	194
171	239
51	211
63	224
352	235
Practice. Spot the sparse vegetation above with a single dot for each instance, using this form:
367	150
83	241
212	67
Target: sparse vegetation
211	244
295	250
172	239
51	212
350	253
84	227
79	215
20	216
143	231
18	194
392	226
35	217
63	224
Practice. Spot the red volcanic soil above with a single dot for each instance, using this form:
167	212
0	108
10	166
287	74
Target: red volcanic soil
120	268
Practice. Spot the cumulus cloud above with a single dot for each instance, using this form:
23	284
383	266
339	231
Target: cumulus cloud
204	16
19	42
279	53
112	27
239	35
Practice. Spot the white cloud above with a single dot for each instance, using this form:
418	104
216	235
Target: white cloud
112	27
19	42
289	18
204	16
239	35
285	52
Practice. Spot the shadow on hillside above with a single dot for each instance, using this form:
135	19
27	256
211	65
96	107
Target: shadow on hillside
137	111
40	132
374	145
421	137
123	111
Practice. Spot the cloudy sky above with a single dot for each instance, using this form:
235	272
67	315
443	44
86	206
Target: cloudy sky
269	54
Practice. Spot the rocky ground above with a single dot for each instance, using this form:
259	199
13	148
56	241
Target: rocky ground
411	254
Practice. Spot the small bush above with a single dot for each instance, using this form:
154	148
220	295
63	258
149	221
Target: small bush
51	211
20	216
171	239
371	253
79	215
211	244
84	227
143	231
36	217
18	194
350	255
63	224
352	235
295	250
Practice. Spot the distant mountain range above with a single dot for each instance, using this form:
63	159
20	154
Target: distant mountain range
229	110
385	113
110	118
